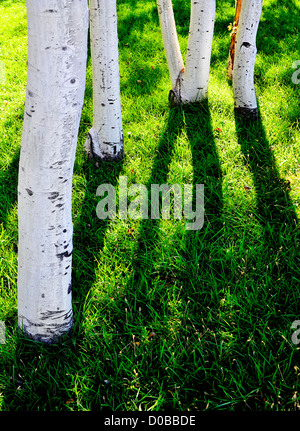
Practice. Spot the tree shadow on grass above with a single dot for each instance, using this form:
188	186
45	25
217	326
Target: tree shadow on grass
196	120
143	265
207	171
8	187
89	231
275	209
163	266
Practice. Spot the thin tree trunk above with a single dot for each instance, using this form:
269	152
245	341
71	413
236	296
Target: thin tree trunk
196	75
189	84
57	52
244	58
170	40
105	139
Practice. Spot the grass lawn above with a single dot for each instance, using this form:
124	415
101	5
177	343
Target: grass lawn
166	318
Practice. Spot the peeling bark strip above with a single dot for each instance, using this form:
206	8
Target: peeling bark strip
190	83
57	53
244	58
238	5
105	139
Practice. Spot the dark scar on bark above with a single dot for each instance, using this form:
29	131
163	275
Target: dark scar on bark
30	192
65	254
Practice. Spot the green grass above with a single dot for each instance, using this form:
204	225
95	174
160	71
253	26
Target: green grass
165	318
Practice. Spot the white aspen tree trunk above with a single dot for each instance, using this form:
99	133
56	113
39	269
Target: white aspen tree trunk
57	53
196	75
244	58
170	41
190	83
105	138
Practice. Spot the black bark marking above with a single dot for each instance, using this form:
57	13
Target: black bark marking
69	288
246	44
53	196
61	162
30	192
56	314
64	254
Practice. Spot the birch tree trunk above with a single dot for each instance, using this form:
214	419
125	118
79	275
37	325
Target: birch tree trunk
190	83
244	58
105	139
196	75
170	41
57	52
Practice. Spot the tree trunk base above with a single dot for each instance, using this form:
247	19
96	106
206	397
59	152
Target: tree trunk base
94	149
246	113
174	98
54	336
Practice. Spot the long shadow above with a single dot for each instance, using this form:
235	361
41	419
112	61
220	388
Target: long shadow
8	187
144	261
206	163
207	171
275	209
196	121
89	231
154	276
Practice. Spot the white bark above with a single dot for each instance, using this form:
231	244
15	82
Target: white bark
244	58
190	83
196	75
57	52
105	139
170	40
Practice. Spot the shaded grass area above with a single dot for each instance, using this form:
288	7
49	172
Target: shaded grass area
165	318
